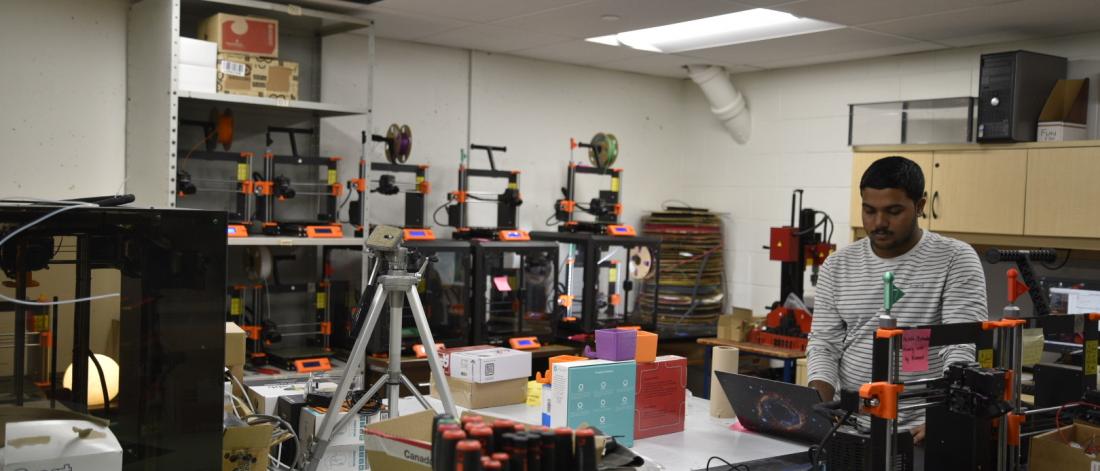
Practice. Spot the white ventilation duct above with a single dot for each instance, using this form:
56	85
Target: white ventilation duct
726	102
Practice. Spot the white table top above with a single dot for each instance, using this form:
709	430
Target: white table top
702	438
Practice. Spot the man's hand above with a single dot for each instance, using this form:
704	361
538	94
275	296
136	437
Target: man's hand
825	390
918	434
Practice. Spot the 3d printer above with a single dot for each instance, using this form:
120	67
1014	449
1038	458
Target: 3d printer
206	175
398	147
507	202
297	195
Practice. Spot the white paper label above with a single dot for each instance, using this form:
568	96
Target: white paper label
1095	466
233	68
282	102
294	10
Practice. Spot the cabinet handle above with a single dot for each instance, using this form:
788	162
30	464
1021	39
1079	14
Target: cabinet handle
935	198
924	214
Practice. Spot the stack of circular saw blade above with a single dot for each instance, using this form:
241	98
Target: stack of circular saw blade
692	265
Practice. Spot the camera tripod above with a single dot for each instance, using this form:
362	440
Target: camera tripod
393	288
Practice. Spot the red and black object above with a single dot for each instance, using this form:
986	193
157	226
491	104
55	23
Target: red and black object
503	459
483	434
549	450
606	209
585	458
518	461
534	451
468	456
563	447
442	426
501	427
447	450
1023	259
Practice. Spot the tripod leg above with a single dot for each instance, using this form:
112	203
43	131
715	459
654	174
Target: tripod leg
429	343
355	360
393	372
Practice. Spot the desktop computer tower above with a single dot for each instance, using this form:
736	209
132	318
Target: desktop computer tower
1012	90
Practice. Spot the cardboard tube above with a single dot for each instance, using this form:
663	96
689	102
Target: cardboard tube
723	359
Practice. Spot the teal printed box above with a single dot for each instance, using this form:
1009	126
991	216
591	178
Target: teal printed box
597	393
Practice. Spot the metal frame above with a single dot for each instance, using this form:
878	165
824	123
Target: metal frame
414	200
487	254
591	247
243	179
615	195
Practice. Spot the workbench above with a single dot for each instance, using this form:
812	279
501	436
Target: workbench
788	356
703	436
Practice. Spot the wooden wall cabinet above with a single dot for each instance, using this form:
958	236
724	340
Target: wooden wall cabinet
979	191
1063	192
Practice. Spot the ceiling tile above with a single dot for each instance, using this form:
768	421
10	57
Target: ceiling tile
476	11
492	38
850	55
836	41
583	20
397	25
666	65
856	12
579	51
1012	21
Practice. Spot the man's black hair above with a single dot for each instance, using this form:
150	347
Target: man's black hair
895	172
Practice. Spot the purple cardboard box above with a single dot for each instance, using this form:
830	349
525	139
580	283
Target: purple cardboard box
614	345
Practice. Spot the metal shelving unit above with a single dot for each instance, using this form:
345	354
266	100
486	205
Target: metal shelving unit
159	139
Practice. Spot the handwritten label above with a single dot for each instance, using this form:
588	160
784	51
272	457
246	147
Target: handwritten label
294	10
282	102
914	350
501	282
1033	346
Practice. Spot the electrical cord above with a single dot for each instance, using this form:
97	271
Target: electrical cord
69	205
435	214
817	451
288	430
102	386
729	466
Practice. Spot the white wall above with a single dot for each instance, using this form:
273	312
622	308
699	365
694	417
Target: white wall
63	92
799	140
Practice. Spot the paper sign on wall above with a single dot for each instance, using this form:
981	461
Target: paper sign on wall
914	350
501	282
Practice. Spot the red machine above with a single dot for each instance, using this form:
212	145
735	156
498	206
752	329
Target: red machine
796	247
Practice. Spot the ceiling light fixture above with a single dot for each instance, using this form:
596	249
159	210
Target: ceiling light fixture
757	24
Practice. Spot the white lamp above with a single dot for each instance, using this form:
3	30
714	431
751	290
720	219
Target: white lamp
95	389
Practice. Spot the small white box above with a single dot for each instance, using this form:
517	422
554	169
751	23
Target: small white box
1062	131
490	365
264	398
198	79
198	52
351	434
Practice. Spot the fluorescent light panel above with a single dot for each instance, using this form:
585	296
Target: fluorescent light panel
757	24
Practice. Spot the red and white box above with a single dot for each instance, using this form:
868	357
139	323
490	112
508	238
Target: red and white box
446	353
659	404
486	365
248	35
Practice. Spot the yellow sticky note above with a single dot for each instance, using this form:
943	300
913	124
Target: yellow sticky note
985	357
534	394
1033	346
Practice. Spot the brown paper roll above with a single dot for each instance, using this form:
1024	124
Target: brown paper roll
724	359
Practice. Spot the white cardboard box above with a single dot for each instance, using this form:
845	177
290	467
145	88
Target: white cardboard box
344	458
264	398
1062	131
351	434
198	52
198	79
490	365
56	444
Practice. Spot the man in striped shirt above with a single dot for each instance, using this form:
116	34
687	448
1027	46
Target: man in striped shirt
941	277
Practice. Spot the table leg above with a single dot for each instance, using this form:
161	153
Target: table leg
709	357
788	370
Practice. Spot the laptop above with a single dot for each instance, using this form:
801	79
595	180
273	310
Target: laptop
775	408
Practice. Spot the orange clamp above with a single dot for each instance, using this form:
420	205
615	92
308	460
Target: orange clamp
565	300
360	184
887	396
337	189
884	333
1094	316
1014	423
1002	324
568	205
246	187
616	299
335	158
424	187
326	328
459	196
253	331
618	209
46	338
246	155
264	188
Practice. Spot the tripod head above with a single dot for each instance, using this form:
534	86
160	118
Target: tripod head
388	241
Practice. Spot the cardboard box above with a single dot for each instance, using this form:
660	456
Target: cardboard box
1065	112
490	365
234	345
344	458
446	353
257	76
198	79
198	53
401	444
1050	453
646	347
596	393
247	35
53	442
735	326
264	398
483	395
245	447
659	405
351	434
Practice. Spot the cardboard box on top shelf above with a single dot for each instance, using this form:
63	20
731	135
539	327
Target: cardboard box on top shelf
659	406
482	395
257	76
247	35
1049	452
1065	112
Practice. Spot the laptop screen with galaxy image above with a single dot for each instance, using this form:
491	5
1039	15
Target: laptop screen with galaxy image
775	408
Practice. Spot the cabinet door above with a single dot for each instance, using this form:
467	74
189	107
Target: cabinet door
862	160
1062	193
979	191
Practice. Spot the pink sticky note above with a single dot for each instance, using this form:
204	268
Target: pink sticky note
914	350
501	282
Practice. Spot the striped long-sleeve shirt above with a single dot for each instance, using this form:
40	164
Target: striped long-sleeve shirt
943	283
